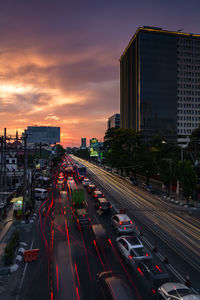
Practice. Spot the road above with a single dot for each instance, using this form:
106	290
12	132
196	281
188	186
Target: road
174	232
69	260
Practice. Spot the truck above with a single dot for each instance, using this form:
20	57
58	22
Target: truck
79	208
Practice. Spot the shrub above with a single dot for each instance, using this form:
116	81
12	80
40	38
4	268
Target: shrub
10	248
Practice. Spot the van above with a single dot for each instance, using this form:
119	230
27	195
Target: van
40	194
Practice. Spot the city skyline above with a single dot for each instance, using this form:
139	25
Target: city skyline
59	61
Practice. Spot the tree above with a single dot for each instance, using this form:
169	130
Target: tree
187	177
120	147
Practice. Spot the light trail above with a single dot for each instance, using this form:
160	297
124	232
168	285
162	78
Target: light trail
158	212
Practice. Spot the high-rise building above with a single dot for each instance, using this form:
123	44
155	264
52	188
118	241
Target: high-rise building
83	143
114	121
43	134
160	83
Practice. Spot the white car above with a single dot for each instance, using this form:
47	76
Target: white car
175	291
86	182
122	224
132	249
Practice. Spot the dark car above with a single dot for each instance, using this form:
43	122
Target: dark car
81	217
103	205
134	181
91	187
97	194
99	236
151	274
114	286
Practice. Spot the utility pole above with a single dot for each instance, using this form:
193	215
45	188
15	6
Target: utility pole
4	162
25	174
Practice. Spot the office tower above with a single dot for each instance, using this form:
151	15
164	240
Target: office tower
114	121
43	134
160	83
83	143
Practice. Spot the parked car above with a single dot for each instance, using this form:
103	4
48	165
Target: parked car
122	224
103	205
175	291
134	181
148	187
41	194
132	250
114	286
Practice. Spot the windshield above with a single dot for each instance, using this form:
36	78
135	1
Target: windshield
179	292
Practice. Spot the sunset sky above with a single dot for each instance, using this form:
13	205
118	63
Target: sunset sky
59	59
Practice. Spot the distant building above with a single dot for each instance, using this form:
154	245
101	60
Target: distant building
93	141
83	143
114	121
160	83
43	134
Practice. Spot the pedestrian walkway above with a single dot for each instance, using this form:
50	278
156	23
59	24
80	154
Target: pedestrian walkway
6	223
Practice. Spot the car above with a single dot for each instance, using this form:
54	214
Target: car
41	194
148	187
121	223
134	181
103	205
91	187
151	274
85	182
81	217
99	236
114	286
97	194
175	291
132	250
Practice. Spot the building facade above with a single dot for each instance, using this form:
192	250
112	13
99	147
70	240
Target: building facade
83	143
114	121
43	134
160	83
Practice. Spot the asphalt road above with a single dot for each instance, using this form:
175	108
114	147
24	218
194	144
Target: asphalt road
69	260
174	232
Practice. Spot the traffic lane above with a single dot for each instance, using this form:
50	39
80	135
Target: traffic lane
35	284
111	258
88	259
180	263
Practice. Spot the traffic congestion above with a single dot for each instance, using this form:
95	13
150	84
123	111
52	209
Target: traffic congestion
118	262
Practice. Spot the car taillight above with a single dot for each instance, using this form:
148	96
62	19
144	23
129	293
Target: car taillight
110	206
95	195
89	219
153	291
100	207
125	228
147	254
139	270
120	223
131	222
130	257
157	267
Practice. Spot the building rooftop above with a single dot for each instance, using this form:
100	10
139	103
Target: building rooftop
156	29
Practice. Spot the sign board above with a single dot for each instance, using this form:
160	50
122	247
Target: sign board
31	255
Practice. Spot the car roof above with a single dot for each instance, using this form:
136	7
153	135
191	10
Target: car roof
169	286
102	200
132	240
98	192
123	217
81	211
191	297
40	190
